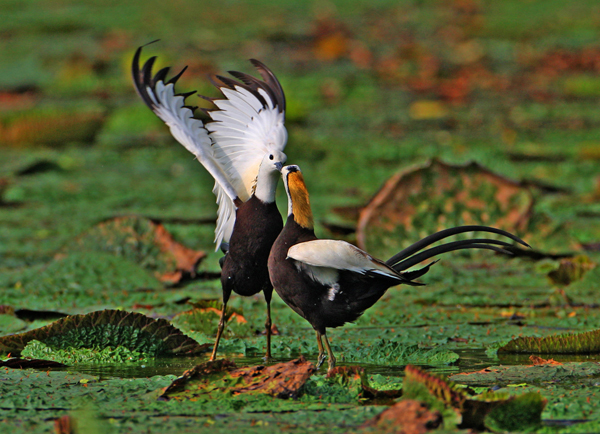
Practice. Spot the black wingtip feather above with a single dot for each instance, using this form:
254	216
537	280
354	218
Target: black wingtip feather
174	79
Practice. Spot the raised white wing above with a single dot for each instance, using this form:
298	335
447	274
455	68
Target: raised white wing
170	107
336	255
248	124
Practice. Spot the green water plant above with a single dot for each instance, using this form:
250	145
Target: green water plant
106	329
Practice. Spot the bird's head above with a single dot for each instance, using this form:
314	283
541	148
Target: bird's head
268	175
298	200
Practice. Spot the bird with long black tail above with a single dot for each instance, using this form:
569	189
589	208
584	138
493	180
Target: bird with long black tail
332	282
242	148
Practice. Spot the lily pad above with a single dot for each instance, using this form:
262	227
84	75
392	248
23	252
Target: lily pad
144	242
419	201
108	328
576	343
386	352
503	375
282	380
204	318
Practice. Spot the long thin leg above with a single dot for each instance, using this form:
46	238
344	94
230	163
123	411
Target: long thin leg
330	357
221	327
268	293
321	357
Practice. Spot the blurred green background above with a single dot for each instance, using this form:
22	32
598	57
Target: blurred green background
372	87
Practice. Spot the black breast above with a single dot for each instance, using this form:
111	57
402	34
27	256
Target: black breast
256	228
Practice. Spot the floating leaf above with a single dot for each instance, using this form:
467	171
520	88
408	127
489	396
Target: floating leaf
577	343
355	377
385	352
417	202
475	411
71	356
108	328
503	375
282	380
142	241
204	318
571	269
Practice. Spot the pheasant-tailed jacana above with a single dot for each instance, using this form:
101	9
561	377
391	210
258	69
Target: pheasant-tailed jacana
329	282
242	148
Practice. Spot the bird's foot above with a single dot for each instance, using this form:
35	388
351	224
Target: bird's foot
320	359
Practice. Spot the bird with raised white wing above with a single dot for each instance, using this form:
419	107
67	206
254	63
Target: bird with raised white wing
242	148
332	282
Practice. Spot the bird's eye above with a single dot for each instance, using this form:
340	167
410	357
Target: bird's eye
271	157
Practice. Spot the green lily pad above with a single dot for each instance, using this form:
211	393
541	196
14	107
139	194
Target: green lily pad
576	343
504	375
385	352
107	329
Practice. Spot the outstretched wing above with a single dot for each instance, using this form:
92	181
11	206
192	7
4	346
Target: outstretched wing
247	124
159	94
322	259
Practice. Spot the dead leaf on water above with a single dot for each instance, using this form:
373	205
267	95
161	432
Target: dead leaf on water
282	380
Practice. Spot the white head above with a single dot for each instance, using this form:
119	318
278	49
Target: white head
268	176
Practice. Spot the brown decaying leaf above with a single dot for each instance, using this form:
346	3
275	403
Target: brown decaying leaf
391	206
406	417
571	269
187	259
282	380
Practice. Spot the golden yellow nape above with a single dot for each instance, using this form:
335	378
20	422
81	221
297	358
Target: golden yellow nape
300	201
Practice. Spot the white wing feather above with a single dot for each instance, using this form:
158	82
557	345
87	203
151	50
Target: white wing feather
338	255
242	132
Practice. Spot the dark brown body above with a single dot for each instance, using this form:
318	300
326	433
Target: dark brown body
245	272
309	298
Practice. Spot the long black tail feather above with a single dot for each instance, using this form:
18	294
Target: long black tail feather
420	245
476	243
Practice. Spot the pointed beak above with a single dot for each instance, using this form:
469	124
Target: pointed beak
279	166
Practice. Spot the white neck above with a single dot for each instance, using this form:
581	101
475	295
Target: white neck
266	184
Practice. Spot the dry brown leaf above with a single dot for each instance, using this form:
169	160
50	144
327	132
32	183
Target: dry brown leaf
406	417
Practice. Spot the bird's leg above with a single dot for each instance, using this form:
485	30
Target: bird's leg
221	327
268	293
330	357
321	357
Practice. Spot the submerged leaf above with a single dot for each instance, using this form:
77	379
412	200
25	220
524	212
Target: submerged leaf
578	343
108	328
144	242
282	380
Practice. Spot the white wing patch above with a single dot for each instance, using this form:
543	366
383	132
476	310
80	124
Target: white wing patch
244	131
338	255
